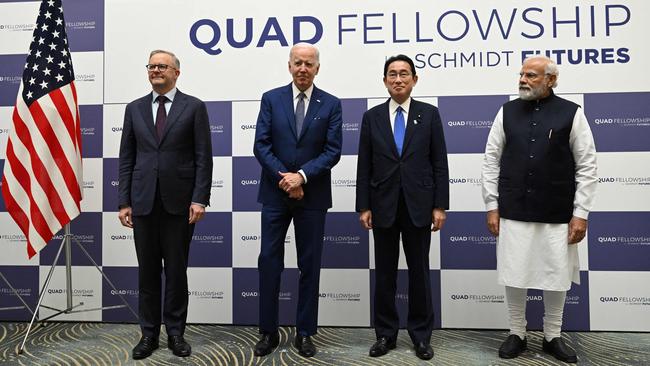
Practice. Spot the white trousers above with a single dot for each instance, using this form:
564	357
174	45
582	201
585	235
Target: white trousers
553	310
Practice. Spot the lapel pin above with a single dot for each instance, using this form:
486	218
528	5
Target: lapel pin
317	100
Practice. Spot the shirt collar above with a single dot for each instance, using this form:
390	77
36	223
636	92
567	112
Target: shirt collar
307	92
392	106
170	95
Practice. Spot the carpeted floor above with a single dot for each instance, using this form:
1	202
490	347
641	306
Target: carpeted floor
110	344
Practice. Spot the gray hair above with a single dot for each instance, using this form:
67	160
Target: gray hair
177	62
305	45
550	67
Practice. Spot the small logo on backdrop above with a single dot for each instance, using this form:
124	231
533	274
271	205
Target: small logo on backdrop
626	300
466	181
208	239
626	181
623	121
341	296
624	240
470	124
344	182
478	298
473	239
206	294
13	238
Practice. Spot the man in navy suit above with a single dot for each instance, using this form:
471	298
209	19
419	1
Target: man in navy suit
165	179
297	143
402	188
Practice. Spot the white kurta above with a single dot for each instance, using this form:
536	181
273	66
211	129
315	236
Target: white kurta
537	255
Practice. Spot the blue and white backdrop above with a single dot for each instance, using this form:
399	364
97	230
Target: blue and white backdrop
467	55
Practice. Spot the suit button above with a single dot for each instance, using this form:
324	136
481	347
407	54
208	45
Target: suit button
528	190
531	156
534	123
530	174
532	140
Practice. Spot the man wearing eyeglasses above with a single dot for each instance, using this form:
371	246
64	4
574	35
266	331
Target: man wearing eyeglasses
539	180
165	179
402	189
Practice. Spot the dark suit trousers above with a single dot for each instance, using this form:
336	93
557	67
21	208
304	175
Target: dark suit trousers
162	241
416	242
309	228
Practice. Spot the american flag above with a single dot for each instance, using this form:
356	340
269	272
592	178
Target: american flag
41	184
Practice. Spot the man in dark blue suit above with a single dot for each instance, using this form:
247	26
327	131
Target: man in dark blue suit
297	143
402	188
165	179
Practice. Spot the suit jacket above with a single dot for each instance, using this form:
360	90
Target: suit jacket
421	173
280	148
180	165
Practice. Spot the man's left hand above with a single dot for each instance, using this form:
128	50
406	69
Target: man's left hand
577	230
196	213
438	217
290	181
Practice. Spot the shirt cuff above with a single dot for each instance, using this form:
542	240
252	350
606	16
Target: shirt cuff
492	205
304	176
578	212
200	204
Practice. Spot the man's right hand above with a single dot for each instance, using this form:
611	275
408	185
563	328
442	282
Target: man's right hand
365	217
125	217
493	222
296	193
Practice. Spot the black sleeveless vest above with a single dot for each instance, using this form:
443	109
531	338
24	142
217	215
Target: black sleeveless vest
537	176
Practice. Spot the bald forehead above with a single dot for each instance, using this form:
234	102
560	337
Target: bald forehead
305	49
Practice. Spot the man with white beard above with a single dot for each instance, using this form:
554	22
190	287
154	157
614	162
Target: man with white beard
539	180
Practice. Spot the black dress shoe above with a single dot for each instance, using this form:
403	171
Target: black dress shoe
179	346
512	346
381	347
304	346
145	347
559	350
266	344
423	350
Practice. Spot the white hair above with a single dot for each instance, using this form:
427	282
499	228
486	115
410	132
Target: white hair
550	67
305	45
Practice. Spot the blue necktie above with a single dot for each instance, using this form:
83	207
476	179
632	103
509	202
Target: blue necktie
300	113
398	130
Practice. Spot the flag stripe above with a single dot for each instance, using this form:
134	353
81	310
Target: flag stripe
37	181
39	173
54	145
38	221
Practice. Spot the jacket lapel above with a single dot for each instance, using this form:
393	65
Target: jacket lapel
146	113
178	105
413	116
312	111
383	124
287	104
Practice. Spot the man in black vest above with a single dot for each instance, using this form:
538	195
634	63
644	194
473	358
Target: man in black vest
539	180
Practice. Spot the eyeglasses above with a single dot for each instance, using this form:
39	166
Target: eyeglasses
160	67
394	75
530	75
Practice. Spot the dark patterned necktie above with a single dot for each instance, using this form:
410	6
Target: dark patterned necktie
161	116
300	112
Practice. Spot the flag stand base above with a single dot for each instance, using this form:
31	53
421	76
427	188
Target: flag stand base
66	243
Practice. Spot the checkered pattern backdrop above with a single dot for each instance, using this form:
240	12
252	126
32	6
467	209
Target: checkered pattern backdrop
110	43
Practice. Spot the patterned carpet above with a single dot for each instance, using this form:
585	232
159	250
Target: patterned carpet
110	344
